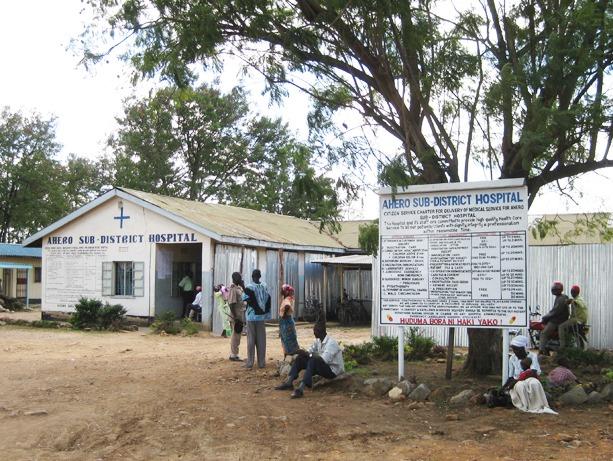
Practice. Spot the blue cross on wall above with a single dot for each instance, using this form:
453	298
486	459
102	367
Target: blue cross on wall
121	217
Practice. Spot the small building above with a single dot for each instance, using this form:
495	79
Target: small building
132	248
20	273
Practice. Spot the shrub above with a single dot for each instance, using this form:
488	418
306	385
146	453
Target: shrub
359	353
578	357
386	347
189	327
91	313
420	345
166	323
111	316
86	313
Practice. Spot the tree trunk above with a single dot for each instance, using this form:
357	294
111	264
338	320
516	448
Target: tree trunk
484	351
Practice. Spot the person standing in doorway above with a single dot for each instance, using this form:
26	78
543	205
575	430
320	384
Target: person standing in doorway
186	285
237	312
258	311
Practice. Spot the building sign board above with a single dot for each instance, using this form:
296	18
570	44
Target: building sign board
454	255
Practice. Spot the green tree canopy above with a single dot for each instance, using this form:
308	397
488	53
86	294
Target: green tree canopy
200	144
35	188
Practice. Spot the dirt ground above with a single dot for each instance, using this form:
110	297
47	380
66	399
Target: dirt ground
69	395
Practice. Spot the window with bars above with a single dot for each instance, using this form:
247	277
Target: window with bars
123	278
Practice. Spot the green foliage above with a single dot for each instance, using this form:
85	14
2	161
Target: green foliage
368	237
199	144
189	327
608	374
535	92
420	346
91	313
593	226
167	323
31	173
110	316
351	365
86	313
579	357
45	324
416	347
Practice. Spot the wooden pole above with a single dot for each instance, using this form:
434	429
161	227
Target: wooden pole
450	342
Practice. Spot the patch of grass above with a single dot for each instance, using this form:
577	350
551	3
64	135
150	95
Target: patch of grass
45	324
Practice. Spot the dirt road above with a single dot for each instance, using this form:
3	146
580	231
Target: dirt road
103	396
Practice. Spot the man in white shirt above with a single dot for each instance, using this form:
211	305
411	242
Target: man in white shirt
196	306
324	358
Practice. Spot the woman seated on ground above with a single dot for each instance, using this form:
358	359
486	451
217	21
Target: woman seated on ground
561	376
287	326
527	393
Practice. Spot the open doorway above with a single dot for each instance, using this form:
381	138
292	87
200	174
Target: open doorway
173	262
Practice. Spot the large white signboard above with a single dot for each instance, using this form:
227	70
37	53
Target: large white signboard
454	255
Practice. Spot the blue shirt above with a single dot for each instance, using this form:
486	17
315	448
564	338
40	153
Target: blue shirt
258	302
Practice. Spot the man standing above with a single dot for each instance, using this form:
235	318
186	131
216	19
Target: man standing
186	285
578	315
237	314
324	358
556	316
258	311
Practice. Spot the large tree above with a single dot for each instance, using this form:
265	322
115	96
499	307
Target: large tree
35	188
529	75
200	144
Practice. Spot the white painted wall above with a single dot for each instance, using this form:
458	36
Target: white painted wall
72	265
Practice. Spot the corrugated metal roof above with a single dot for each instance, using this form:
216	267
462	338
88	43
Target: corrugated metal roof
230	221
6	265
350	231
17	251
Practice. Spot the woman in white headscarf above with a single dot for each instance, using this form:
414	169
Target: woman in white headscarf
527	395
519	346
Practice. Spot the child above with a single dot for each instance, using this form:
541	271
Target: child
528	372
287	326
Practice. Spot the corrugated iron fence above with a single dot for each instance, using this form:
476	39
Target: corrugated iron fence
589	266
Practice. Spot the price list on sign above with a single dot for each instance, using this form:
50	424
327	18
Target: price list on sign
454	258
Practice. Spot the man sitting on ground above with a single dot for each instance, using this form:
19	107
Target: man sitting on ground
324	358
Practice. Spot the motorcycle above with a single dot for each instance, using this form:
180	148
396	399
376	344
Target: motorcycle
578	333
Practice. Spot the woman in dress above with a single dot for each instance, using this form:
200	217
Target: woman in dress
287	326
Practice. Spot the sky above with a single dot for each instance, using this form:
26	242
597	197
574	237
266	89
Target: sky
41	74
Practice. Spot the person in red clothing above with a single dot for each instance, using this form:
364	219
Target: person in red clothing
528	372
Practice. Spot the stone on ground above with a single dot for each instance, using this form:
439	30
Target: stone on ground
576	396
462	398
420	393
